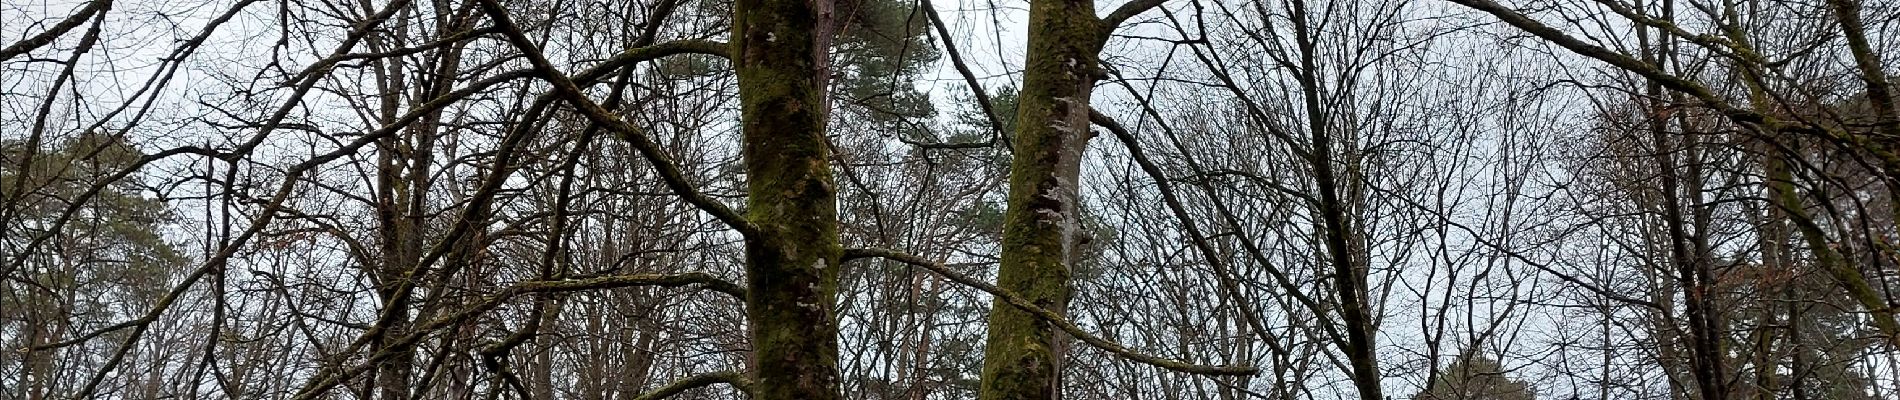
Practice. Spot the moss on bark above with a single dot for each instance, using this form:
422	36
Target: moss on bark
792	261
1023	354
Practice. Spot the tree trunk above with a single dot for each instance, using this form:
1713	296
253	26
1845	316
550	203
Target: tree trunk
1021	359
1335	226
792	260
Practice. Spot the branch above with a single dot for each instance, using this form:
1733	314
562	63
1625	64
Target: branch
1049	316
653	52
332	376
1619	60
44	38
1890	161
697	381
1222	270
1477	237
1126	11
976	88
567	90
272	206
618	281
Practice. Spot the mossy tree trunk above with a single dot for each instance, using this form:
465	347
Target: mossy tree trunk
792	259
1867	62
1880	96
1021	360
1776	165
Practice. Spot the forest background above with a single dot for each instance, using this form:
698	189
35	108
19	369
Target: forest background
898	199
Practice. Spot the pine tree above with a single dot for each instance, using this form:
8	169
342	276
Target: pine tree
1474	377
104	260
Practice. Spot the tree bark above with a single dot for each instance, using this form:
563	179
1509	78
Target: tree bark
792	260
1023	354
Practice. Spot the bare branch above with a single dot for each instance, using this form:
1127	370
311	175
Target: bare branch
44	38
1049	316
696	381
1126	11
567	90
